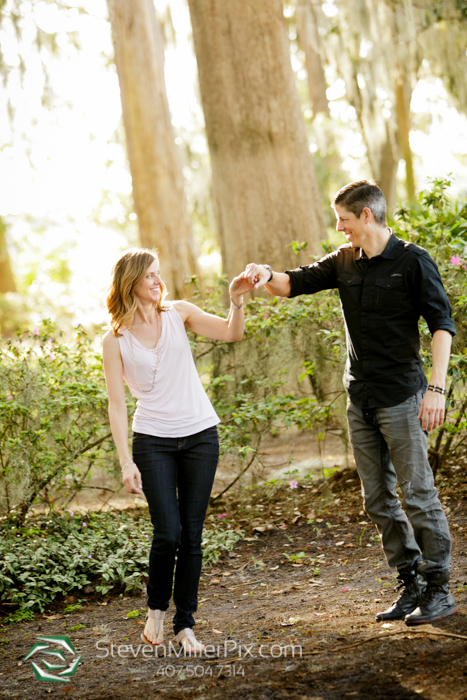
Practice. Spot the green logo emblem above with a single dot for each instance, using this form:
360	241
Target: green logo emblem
58	672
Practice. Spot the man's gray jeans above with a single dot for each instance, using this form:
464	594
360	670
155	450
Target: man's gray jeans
390	447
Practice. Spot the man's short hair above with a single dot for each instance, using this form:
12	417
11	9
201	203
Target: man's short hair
357	195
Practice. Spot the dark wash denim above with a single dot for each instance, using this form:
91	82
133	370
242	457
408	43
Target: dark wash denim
390	447
177	476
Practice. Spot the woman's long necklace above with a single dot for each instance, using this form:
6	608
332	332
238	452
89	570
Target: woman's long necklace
146	391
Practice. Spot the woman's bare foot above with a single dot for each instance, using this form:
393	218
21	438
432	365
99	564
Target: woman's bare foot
188	641
154	630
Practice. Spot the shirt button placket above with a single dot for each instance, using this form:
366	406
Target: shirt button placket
365	332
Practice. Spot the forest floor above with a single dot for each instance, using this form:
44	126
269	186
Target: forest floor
290	612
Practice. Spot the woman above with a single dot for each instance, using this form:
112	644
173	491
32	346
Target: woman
175	443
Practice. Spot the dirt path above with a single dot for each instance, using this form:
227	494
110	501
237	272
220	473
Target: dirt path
295	618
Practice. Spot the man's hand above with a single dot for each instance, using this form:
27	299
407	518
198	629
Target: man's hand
132	479
432	410
257	275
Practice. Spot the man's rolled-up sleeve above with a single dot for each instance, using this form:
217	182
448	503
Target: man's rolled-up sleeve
309	279
434	303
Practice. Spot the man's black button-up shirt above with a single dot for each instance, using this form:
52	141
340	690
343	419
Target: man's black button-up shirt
382	299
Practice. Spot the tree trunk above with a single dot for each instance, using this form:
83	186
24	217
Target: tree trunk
386	173
307	27
158	190
7	282
263	176
403	120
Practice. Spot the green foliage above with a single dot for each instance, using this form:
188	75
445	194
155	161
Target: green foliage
53	413
294	557
73	608
440	225
50	556
20	615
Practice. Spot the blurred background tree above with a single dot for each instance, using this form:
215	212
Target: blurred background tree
298	93
264	182
158	189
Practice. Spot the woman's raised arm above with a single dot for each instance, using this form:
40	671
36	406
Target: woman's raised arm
229	329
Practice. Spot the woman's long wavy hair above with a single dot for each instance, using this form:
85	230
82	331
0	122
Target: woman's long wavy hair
127	273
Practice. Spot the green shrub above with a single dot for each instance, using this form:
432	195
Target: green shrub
53	417
440	225
53	555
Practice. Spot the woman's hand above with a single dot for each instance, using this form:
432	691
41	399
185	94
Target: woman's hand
132	479
240	285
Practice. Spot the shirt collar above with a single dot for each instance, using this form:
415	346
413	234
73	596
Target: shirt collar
389	252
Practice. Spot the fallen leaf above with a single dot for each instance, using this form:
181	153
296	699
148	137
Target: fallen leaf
349	545
53	617
214	580
136	679
291	621
316	583
215	571
273	568
216	631
276	592
319	520
297	518
338	544
204	600
387	626
250	539
319	614
103	603
227	573
297	565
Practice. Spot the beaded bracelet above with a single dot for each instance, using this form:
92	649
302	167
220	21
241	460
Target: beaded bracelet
436	389
127	465
236	305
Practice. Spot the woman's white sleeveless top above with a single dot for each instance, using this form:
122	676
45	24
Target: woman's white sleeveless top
177	405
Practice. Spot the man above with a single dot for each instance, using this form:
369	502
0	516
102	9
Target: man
385	285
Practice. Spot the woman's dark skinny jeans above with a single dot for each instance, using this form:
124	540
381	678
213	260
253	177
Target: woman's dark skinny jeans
177	475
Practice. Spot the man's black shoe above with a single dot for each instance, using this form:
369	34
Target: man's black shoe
436	601
412	588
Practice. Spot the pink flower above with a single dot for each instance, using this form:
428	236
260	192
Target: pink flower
455	260
10	396
346	589
223	515
36	331
293	484
266	316
463	267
